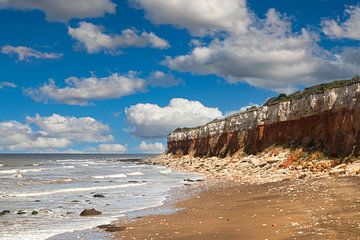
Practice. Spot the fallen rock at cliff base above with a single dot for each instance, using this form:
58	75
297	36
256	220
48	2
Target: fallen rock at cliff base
90	212
338	171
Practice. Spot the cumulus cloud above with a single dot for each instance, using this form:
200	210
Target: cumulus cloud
80	91
63	10
151	147
153	121
347	29
26	53
93	39
267	55
161	79
199	17
111	148
53	132
84	129
7	85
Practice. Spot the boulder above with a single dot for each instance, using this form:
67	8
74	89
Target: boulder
90	212
98	196
335	172
353	168
4	212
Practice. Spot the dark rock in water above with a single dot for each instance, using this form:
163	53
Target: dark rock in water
37	201
186	184
98	196
4	212
90	212
75	201
111	228
133	181
21	212
189	180
200	180
34	213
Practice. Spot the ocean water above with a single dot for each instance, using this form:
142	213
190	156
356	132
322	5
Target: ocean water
46	193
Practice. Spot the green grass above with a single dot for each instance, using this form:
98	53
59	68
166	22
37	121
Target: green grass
312	90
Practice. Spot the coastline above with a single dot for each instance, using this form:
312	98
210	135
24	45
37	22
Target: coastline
255	197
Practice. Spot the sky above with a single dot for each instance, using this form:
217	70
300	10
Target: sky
111	76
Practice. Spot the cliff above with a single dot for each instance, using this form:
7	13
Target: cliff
324	117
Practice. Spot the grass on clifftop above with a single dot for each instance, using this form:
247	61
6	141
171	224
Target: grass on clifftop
312	90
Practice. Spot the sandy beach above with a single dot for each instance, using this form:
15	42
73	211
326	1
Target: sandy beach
318	208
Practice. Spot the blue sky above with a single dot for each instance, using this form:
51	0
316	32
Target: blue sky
69	71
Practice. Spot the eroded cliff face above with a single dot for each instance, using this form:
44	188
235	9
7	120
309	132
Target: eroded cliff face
327	120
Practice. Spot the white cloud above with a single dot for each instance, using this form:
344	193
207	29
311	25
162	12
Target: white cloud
347	29
18	136
111	148
268	55
161	79
199	17
93	39
152	121
63	10
151	147
84	129
7	85
49	133
26	53
79	91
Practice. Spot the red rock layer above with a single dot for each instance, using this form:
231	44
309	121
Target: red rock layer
337	133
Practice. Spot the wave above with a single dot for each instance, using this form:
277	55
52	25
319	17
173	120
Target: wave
135	174
26	170
12	171
69	190
111	176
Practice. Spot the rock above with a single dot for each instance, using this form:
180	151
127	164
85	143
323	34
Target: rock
353	168
133	181
111	228
335	172
90	212
341	166
21	212
34	213
4	212
273	160
257	162
98	196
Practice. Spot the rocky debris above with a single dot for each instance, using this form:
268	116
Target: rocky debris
4	212
262	168
98	196
90	212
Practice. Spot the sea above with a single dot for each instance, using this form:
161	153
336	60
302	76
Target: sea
42	195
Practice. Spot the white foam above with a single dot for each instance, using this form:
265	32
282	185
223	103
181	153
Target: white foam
12	171
135	174
111	176
67	190
166	171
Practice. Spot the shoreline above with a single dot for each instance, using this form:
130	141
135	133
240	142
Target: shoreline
222	185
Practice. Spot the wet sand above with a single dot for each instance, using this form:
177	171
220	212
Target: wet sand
324	208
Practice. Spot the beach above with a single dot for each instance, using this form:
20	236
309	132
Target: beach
254	197
318	208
